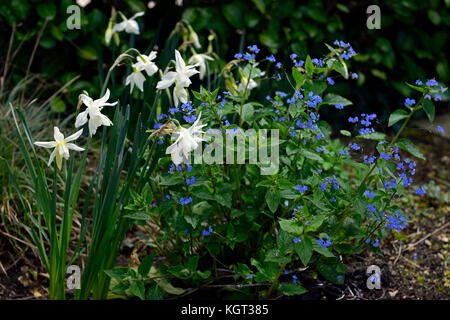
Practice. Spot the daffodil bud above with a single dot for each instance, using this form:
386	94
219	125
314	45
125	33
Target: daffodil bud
211	38
193	37
109	33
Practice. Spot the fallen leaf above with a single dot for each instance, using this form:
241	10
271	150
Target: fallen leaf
36	293
393	293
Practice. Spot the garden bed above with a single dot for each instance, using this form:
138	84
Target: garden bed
421	272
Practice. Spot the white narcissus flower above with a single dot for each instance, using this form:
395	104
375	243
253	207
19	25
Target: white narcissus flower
129	25
186	140
180	77
145	63
200	60
83	3
179	94
135	78
93	110
243	85
61	145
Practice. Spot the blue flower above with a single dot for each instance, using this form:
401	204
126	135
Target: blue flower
324	244
271	58
354	146
291	100
396	222
385	156
369	193
207	232
339	106
238	56
302	189
253	48
249	56
418	82
440	129
330	81
354	75
409	102
431	83
296	240
190	181
420	191
250	276
190	119
184	201
377	242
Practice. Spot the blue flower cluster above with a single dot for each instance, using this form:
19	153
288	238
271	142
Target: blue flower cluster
208	232
347	49
409	102
253	50
370	194
302	189
179	168
420	191
396	221
326	243
313	100
368	159
184	201
297	64
430	84
366	122
190	181
298	209
375	244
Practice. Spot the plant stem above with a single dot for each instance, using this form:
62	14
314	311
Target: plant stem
275	281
